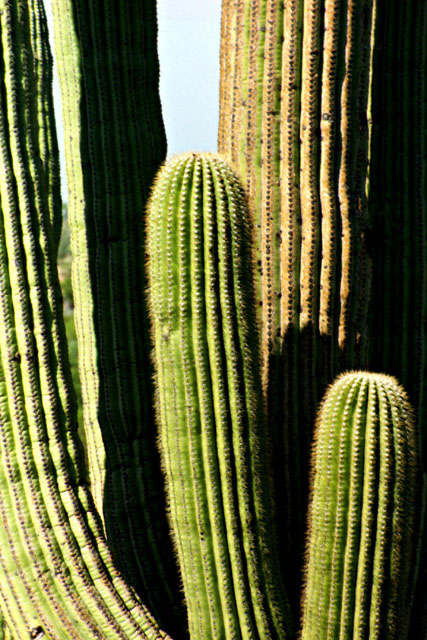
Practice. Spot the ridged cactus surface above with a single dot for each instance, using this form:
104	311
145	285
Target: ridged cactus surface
294	123
213	434
114	143
57	576
364	513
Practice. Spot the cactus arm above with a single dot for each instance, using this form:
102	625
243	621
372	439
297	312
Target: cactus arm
210	405
397	215
363	513
114	141
307	197
57	572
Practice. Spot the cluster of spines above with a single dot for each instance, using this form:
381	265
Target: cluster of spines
57	576
364	518
213	434
296	74
114	144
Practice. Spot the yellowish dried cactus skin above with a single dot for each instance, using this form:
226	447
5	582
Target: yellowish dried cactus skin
294	105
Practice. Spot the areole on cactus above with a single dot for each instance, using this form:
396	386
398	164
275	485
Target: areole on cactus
311	119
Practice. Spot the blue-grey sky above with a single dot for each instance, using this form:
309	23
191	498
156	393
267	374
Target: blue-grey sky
189	32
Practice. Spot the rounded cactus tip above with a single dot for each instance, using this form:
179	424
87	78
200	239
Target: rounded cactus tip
364	518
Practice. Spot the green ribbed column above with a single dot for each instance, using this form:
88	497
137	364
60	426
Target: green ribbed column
215	445
57	576
293	120
364	515
114	143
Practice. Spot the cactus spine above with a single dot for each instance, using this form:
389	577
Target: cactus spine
364	513
213	434
108	72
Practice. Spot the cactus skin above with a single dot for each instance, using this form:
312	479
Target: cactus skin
114	143
364	514
213	434
293	121
57	575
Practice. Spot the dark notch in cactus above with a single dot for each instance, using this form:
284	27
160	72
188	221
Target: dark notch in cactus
397	218
294	101
364	513
57	575
213	434
397	199
108	71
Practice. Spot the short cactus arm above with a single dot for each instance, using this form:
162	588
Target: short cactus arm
364	517
213	433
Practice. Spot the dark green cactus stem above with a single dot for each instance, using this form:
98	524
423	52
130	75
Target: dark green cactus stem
57	576
398	218
213	436
114	143
364	514
294	103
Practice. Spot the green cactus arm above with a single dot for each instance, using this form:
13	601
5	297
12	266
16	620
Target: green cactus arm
114	141
213	433
57	574
363	519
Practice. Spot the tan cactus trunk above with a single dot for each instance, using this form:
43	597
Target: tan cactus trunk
294	105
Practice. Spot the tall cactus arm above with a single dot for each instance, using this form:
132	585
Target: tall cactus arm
57	575
213	435
114	142
294	103
364	517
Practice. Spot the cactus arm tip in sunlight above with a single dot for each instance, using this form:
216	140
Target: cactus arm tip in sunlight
364	512
212	426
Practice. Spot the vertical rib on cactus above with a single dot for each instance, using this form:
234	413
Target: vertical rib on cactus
114	141
301	148
57	576
48	144
364	517
213	436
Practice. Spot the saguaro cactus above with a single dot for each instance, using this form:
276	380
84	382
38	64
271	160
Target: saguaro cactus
323	107
114	143
57	575
213	434
294	104
364	513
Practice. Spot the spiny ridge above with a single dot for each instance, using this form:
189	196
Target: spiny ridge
213	434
